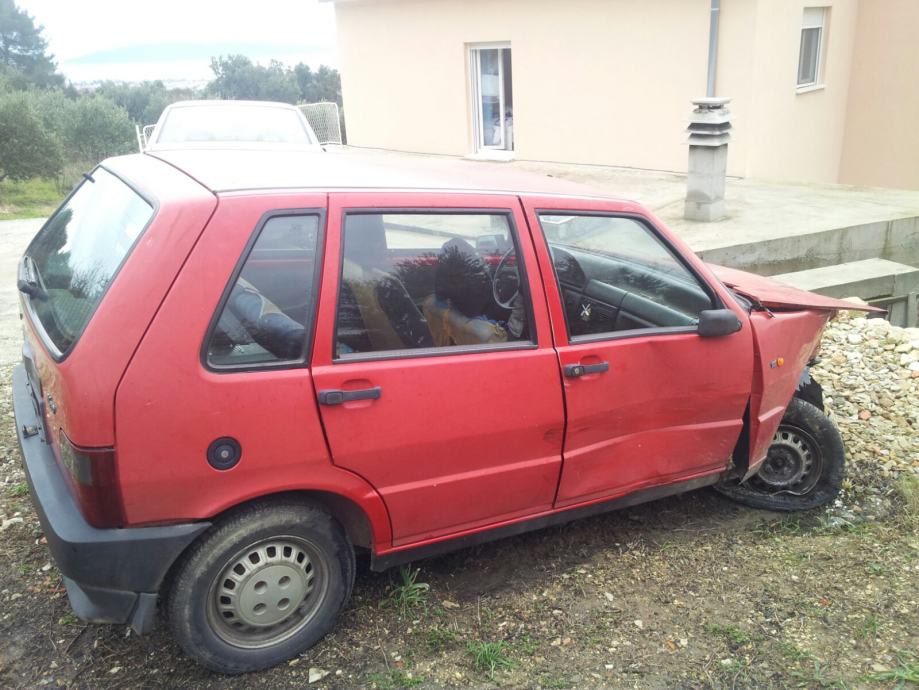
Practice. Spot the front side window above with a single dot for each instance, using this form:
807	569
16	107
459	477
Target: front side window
268	311
74	257
812	36
615	275
429	280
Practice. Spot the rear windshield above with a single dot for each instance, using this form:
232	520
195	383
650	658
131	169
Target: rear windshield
75	256
237	123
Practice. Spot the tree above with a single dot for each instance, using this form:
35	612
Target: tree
27	147
23	50
93	128
322	85
144	101
237	77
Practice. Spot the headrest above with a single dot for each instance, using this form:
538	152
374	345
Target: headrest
365	239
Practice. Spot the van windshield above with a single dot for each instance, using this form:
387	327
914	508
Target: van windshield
74	257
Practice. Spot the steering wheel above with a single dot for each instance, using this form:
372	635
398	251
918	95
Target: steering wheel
509	303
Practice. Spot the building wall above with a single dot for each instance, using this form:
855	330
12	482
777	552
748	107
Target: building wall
610	82
797	136
882	129
594	81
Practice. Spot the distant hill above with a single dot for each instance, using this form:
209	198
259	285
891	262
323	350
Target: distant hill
173	52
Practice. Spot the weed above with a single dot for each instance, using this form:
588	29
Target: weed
875	568
870	627
489	656
395	678
815	678
440	637
526	645
907	671
407	595
68	619
907	488
26	569
17	490
793	652
733	635
554	682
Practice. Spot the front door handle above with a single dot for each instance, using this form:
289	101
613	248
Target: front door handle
337	397
573	371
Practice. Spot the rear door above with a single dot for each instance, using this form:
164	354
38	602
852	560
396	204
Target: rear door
648	401
448	403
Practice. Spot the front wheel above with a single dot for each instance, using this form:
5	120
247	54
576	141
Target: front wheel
263	585
804	468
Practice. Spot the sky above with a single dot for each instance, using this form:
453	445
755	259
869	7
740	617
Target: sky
173	40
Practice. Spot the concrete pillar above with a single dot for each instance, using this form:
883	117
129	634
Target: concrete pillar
709	133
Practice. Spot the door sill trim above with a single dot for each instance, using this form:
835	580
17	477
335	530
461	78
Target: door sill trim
386	560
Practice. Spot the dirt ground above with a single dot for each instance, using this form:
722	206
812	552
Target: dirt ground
689	592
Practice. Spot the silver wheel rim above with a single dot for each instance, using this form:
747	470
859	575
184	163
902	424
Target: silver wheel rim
794	463
267	592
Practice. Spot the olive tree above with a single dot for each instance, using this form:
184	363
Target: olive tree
27	147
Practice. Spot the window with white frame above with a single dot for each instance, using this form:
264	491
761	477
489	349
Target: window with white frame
813	31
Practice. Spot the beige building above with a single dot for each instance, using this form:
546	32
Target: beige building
822	90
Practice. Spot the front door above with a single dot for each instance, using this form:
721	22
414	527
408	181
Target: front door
433	365
649	402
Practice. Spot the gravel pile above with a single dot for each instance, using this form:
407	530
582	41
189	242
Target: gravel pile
869	371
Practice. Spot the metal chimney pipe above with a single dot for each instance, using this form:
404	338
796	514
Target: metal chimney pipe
713	47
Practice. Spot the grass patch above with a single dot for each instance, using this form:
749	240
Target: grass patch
440	637
394	678
489	657
907	671
17	490
407	595
733	635
35	198
907	488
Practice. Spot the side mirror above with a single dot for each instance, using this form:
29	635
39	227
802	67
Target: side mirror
717	322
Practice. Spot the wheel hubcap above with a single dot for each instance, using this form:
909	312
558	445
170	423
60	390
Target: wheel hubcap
793	465
267	592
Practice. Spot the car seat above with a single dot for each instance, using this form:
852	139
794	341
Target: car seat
462	293
375	310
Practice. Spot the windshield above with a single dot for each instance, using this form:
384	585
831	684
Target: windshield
75	255
234	123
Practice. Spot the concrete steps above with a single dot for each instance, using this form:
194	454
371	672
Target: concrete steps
895	240
889	284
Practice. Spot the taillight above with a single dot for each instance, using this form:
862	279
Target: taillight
92	475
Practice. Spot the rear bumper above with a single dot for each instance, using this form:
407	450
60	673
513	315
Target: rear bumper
111	575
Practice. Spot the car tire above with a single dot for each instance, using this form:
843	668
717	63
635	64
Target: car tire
264	584
805	466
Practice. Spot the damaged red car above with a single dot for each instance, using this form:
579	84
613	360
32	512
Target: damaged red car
241	368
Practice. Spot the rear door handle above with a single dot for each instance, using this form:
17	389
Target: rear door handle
337	397
574	371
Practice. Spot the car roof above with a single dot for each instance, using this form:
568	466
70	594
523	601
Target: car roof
236	169
219	103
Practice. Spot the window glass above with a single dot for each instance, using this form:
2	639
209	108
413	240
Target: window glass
811	39
267	316
428	280
614	274
75	256
233	122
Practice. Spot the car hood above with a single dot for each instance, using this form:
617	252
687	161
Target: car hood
775	295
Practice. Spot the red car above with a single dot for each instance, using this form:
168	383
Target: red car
240	368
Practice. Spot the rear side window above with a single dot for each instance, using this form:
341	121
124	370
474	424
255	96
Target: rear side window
413	281
267	313
75	256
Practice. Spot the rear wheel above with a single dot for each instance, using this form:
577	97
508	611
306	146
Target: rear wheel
804	468
263	585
